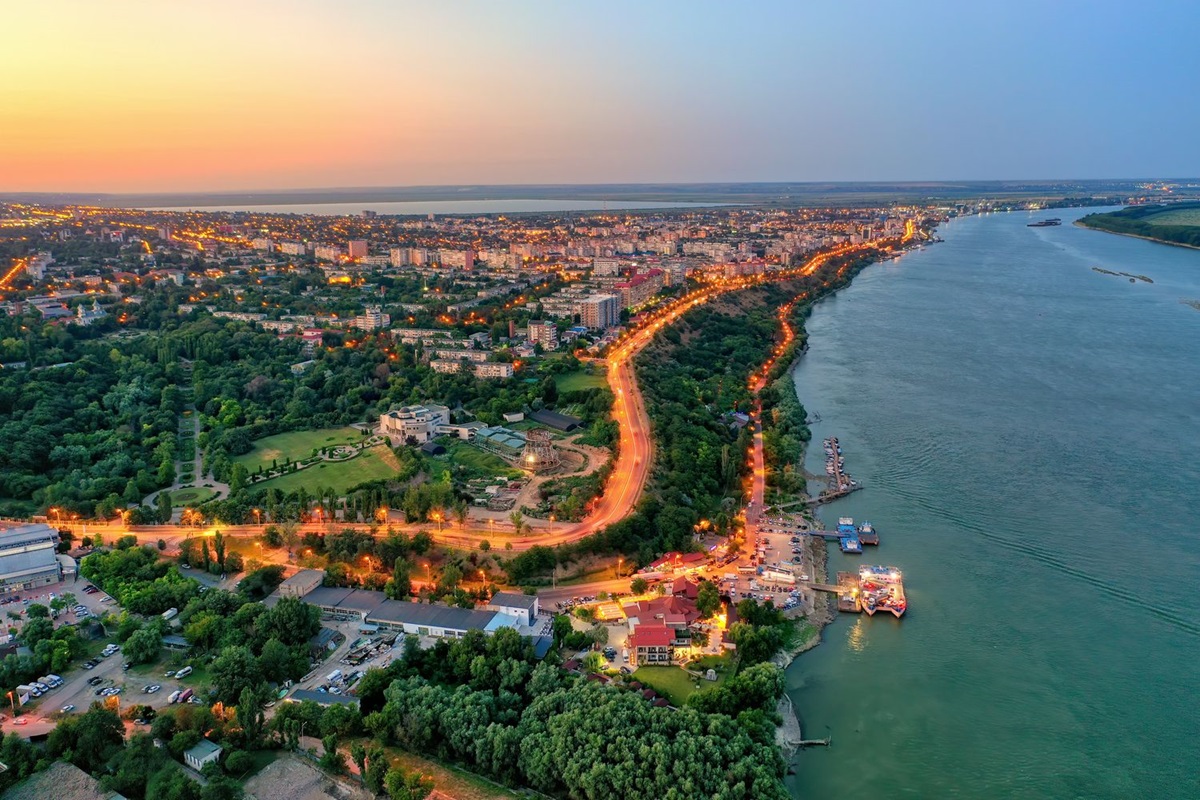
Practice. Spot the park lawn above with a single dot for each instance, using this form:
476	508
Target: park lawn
674	683
374	463
580	379
294	446
192	496
474	463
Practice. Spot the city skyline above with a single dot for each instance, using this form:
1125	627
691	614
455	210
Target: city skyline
141	97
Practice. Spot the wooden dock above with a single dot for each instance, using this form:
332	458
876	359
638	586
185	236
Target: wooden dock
829	497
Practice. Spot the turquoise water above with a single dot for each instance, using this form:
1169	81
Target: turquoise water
1029	434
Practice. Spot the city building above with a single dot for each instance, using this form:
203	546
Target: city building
356	248
28	558
651	643
522	606
205	752
606	266
552	419
508	444
301	583
372	319
457	259
494	370
86	316
599	311
418	619
419	423
544	333
640	288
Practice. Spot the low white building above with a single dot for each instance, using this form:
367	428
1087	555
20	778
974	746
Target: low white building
522	606
204	753
420	423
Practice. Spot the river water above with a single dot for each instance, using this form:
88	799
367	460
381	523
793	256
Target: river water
1028	432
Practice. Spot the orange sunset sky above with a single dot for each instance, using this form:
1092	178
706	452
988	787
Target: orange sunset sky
141	95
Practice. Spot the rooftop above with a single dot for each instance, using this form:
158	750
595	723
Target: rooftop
514	600
62	781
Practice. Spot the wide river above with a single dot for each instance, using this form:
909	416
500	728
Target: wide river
1028	431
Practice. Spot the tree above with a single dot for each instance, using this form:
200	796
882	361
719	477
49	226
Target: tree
358	754
291	621
272	537
239	762
289	534
221	787
639	585
518	522
219	549
143	645
332	760
560	627
452	576
549	391
162	503
403	785
87	740
400	586
377	768
233	670
250	715
708	599
172	784
277	662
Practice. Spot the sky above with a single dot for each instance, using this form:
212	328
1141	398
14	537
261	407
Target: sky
134	96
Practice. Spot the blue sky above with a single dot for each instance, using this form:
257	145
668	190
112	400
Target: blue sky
301	93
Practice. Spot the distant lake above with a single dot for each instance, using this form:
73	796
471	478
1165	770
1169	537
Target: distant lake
422	207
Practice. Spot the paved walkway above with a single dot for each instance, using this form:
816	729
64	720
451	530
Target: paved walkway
189	418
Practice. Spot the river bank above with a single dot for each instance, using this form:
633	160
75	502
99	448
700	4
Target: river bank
1079	224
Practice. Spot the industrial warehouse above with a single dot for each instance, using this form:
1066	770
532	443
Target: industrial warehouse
375	610
29	558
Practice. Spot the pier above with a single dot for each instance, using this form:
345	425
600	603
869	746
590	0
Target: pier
869	590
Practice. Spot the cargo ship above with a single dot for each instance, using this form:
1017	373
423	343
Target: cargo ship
1046	223
882	589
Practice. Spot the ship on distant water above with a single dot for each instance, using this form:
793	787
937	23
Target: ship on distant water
1046	223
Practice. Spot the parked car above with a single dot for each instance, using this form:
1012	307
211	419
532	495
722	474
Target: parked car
152	688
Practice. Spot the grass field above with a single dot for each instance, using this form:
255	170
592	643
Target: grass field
373	464
673	683
294	445
1175	216
453	781
580	379
474	463
193	496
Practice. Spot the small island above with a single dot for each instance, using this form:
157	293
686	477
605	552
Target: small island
1175	224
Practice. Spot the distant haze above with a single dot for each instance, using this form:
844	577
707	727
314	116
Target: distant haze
128	96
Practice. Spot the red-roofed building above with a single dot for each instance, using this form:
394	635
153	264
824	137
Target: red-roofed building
678	562
652	643
640	288
682	587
